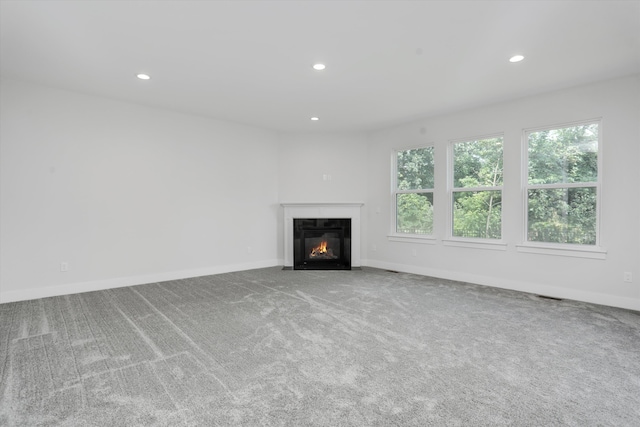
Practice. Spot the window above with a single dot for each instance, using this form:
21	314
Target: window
413	191
476	195
562	186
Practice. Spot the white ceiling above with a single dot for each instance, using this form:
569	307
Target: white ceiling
388	62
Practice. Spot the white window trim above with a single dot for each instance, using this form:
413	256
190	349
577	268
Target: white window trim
562	249
470	242
412	238
393	234
576	251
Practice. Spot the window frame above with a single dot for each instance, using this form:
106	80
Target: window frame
394	235
563	249
475	242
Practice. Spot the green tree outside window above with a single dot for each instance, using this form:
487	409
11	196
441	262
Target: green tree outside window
414	191
477	188
562	185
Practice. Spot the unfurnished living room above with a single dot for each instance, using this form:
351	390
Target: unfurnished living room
319	213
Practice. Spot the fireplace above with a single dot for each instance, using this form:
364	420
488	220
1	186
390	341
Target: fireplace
322	243
325	211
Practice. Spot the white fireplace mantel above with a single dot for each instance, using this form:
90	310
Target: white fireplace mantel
321	210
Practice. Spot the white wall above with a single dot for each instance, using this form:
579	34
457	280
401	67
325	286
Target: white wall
617	102
127	194
305	160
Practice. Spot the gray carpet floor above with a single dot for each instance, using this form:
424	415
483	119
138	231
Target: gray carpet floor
270	347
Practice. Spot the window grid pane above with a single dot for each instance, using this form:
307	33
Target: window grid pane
478	163
414	213
566	155
477	214
415	169
562	215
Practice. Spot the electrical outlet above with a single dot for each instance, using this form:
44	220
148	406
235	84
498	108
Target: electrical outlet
249	250
64	266
374	248
627	277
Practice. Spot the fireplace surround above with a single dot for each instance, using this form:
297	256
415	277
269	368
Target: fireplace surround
327	214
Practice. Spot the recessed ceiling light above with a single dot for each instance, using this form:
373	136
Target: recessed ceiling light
516	58
314	119
319	67
143	76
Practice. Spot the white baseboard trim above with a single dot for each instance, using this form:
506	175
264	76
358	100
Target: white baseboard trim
522	286
119	282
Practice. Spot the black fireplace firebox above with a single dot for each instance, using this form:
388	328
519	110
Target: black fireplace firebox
322	244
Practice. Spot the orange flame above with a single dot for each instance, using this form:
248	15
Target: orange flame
319	250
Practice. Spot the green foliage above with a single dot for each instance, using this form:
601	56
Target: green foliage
415	169
415	213
556	157
477	213
563	215
567	155
415	209
563	156
478	163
